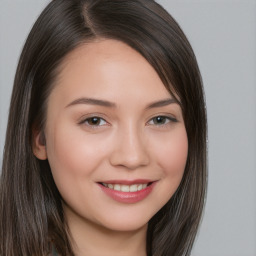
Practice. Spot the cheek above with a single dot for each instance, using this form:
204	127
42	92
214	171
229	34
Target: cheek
172	153
171	157
72	156
69	148
174	158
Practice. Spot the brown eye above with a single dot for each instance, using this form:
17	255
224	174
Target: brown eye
95	121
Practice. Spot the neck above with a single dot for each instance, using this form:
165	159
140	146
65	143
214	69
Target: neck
88	238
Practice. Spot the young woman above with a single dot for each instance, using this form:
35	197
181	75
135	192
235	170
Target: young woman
105	149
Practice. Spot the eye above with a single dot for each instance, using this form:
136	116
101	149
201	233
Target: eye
161	120
94	121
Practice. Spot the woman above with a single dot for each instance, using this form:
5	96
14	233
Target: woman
105	149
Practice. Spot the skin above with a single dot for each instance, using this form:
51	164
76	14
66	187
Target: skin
126	142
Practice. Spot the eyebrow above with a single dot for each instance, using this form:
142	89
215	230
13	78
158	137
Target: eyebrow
105	103
162	103
91	101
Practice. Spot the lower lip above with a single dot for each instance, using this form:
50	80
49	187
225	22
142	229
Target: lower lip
128	197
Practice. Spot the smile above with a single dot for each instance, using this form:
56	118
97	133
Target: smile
127	192
126	188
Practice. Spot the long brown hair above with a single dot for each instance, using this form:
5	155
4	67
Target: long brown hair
31	214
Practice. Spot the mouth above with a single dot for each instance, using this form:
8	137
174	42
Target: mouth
127	191
126	187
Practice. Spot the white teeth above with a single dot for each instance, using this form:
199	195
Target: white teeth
117	187
139	187
133	188
110	186
126	188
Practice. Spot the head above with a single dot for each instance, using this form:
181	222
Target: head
62	30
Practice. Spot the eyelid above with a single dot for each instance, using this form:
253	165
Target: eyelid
171	119
84	120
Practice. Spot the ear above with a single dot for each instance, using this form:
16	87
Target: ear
39	145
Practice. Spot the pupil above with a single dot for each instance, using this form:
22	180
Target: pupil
94	120
160	120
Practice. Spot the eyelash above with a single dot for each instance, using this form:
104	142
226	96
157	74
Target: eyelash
166	119
93	119
99	120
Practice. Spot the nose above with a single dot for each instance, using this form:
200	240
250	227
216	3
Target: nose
129	149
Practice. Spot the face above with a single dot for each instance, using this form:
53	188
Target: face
115	138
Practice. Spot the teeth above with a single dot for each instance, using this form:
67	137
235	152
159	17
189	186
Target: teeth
117	187
126	188
133	188
140	187
110	186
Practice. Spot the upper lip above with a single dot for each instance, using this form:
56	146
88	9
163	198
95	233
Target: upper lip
128	182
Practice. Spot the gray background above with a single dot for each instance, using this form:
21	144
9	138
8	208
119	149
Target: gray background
223	35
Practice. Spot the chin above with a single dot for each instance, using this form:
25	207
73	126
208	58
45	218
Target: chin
125	226
124	222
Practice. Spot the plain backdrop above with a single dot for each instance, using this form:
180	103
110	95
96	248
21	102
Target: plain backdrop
223	35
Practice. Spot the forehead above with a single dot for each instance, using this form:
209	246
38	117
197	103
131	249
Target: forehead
108	68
